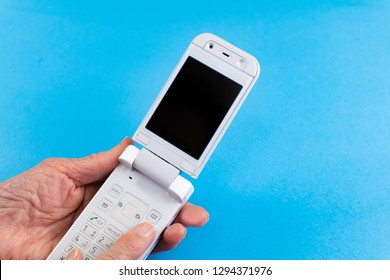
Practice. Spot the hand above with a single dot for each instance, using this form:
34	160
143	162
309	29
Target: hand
38	206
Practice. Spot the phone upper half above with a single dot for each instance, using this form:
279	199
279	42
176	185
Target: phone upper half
197	103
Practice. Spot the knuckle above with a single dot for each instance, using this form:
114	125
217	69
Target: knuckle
97	158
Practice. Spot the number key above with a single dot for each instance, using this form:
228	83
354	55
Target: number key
81	241
105	241
89	231
95	251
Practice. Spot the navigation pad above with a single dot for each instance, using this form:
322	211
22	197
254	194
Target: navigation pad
129	210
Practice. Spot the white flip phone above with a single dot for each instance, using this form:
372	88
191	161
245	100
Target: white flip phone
179	133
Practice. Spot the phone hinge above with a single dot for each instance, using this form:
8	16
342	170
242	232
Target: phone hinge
157	169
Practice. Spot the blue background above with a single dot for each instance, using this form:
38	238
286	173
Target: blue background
304	170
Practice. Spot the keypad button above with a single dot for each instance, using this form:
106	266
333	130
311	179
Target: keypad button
95	251
69	248
115	191
154	216
129	211
96	220
105	205
89	231
61	257
113	232
105	242
124	212
87	257
81	241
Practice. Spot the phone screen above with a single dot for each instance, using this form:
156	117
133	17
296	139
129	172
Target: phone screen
193	107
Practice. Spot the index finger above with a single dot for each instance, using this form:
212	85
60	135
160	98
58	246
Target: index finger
192	216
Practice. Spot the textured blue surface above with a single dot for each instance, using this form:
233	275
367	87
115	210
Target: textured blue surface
304	170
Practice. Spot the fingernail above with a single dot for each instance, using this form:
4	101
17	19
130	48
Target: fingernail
145	230
74	254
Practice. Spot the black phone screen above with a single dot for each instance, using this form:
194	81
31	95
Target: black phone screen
193	107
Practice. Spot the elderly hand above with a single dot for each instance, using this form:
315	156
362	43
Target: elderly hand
38	206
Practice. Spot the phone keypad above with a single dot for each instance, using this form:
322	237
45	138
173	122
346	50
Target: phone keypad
95	235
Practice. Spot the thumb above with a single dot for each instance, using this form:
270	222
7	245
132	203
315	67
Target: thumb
132	244
96	166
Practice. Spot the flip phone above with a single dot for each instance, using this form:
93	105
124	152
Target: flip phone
177	135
